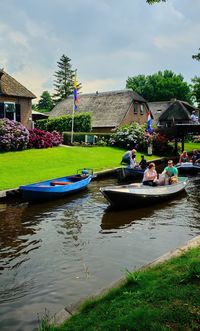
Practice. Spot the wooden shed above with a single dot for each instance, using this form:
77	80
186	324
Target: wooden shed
169	113
15	100
109	110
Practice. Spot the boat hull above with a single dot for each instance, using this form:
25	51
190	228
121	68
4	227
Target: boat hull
55	188
127	172
137	195
188	168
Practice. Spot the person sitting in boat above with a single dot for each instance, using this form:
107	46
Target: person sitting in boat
143	163
150	175
195	156
198	157
171	173
184	157
129	158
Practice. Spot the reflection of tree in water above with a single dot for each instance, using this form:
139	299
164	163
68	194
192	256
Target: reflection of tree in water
71	225
14	236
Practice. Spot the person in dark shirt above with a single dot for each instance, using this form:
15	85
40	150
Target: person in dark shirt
143	163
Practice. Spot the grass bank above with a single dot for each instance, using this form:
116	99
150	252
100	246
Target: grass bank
165	297
33	165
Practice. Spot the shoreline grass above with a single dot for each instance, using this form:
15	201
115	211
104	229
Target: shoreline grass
161	298
29	166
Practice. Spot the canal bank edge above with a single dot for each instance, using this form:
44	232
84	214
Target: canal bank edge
70	310
10	193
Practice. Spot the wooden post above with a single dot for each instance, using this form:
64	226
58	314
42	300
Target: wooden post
182	143
176	146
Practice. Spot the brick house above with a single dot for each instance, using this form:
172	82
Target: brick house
15	100
109	110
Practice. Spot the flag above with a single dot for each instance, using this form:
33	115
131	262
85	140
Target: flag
149	122
75	93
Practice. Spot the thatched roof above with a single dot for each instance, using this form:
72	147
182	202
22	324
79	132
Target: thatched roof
108	109
170	110
10	87
178	111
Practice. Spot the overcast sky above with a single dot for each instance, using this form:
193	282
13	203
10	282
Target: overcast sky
106	40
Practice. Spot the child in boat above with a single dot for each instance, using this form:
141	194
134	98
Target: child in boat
171	172
143	163
150	175
129	158
184	157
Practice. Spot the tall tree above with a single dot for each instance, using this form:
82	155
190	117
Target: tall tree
64	79
196	90
160	86
45	103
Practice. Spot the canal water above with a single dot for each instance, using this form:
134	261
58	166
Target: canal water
53	254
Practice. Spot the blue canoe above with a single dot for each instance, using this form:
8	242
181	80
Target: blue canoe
57	187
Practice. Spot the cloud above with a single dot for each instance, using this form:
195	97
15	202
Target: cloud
106	40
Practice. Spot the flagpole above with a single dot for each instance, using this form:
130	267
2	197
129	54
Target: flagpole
72	132
73	105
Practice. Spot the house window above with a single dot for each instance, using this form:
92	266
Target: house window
142	109
135	107
10	110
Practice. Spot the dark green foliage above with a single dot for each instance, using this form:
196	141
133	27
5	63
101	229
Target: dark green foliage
161	86
45	103
196	90
78	137
82	123
100	139
64	79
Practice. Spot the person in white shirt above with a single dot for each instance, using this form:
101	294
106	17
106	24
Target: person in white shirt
150	175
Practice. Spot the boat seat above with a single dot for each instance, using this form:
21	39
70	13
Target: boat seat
59	183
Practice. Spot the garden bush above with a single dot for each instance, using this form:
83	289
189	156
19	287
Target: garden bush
13	135
129	136
82	123
160	143
43	139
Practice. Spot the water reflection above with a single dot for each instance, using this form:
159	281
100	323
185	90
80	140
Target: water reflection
15	236
54	253
116	219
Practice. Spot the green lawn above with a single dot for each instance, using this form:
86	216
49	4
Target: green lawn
33	165
163	298
191	146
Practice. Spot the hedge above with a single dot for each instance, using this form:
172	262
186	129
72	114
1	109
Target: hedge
79	137
82	123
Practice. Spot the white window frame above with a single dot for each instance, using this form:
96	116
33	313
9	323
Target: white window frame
14	112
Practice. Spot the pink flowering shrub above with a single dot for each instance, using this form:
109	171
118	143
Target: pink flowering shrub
43	139
13	135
